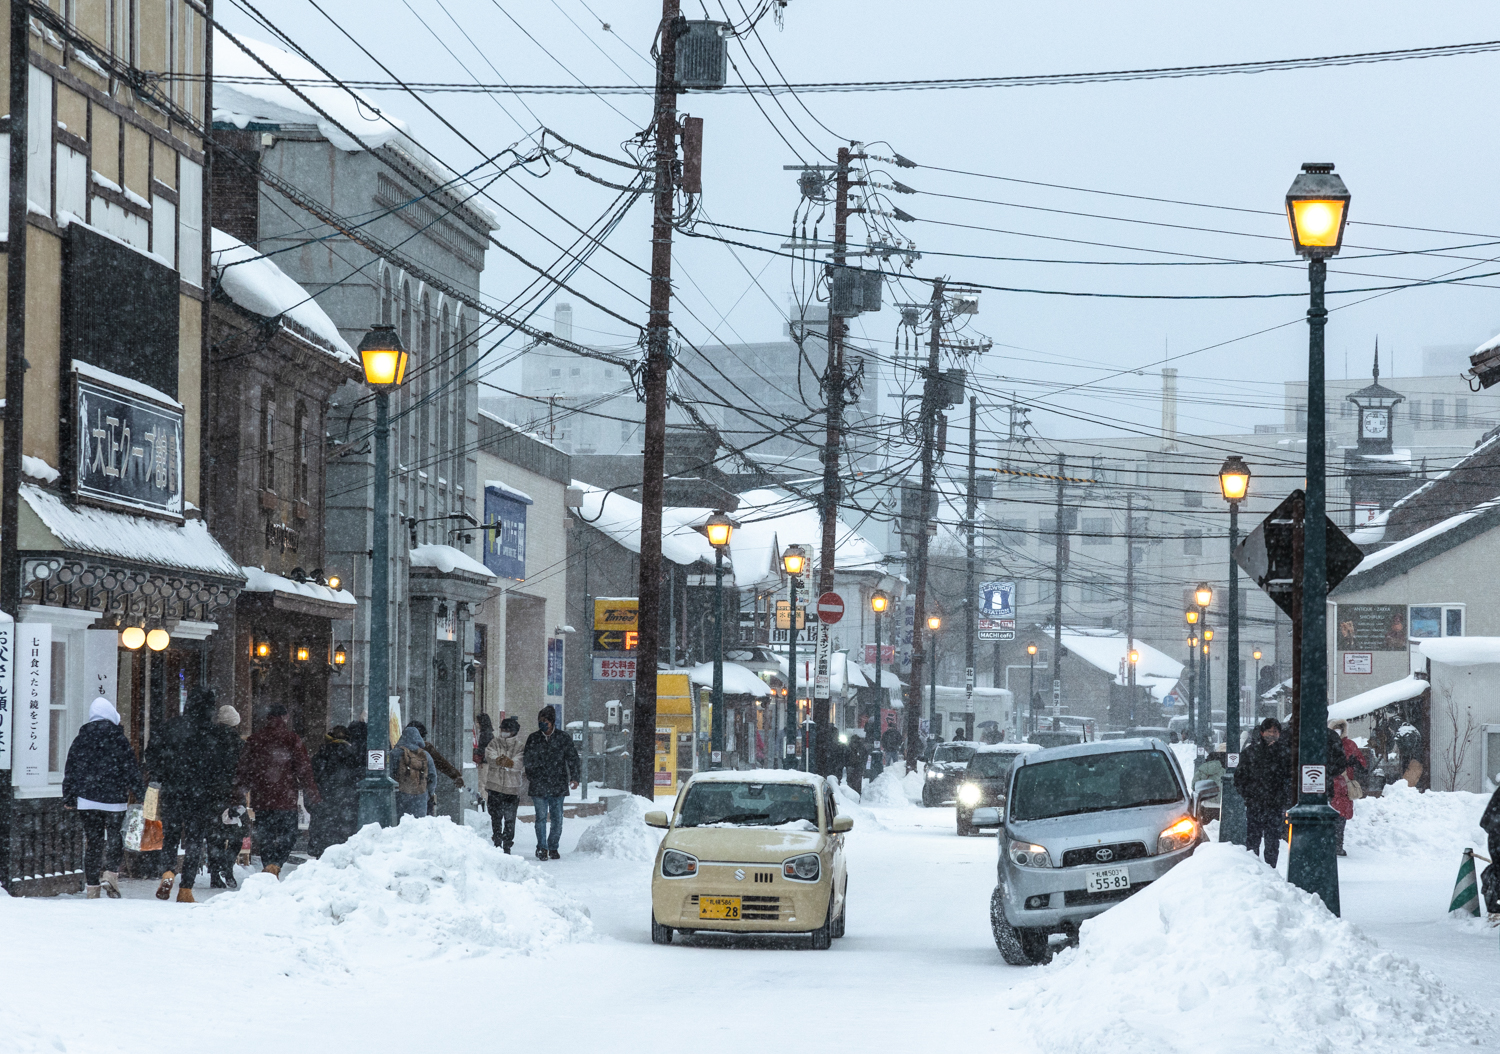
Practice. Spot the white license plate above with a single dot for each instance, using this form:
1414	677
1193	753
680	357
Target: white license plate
1107	880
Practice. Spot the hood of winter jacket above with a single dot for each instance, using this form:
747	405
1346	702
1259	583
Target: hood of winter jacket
411	739
104	710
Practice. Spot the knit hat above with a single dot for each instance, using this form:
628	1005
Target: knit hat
227	715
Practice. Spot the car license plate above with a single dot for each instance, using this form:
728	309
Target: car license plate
1107	880
722	907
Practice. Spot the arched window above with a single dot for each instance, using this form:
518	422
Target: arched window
425	415
386	298
268	438
302	439
406	318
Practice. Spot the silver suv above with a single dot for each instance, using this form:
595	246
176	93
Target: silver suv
1085	826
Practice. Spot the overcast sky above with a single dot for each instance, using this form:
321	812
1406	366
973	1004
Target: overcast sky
1414	141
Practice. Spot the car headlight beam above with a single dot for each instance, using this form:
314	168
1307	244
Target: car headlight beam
675	864
1025	854
969	794
1180	835
805	868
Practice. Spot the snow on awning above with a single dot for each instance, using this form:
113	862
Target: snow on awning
1461	651
308	597
122	536
1368	702
508	492
737	679
447	559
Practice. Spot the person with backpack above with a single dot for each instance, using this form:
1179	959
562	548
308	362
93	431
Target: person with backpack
99	778
193	758
415	773
504	781
273	767
552	766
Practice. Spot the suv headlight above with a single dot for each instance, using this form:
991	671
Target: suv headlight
1028	855
804	868
1180	835
969	794
678	865
933	774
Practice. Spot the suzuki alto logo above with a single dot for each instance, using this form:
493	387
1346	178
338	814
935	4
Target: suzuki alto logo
739	874
1104	855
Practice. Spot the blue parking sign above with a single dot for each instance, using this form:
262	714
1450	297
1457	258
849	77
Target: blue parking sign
999	600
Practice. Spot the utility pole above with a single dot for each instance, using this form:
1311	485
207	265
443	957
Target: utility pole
1061	560
1130	599
932	397
658	361
971	514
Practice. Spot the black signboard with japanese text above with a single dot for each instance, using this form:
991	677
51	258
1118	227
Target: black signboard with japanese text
128	447
1372	627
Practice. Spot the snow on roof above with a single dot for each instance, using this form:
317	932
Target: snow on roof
1368	702
1106	650
1461	651
140	539
508	492
243	94
1374	560
447	559
810	779
770	520
947	693
124	384
519	429
737	679
888	679
259	580
1371	532
36	468
256	284
619	518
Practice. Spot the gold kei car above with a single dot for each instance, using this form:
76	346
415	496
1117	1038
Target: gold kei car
751	852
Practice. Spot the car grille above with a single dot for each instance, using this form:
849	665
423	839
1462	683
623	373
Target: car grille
754	909
1089	854
1078	897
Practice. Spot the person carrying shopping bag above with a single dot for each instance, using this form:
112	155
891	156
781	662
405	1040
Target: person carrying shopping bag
99	778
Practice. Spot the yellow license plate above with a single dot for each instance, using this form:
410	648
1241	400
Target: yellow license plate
719	907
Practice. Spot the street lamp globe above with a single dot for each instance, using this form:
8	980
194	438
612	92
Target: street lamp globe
1203	596
1234	478
1255	655
934	622
1317	209
794	559
879	601
719	528
133	637
1031	649
1208	634
1192	616
1135	656
383	357
158	639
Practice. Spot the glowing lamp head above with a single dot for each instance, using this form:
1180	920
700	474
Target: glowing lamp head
1234	478
719	528
1203	595
794	560
1031	649
383	357
340	656
1135	656
263	649
302	653
1192	642
334	581
1191	616
132	637
879	601
1317	209
1208	634
1256	655
158	639
934	622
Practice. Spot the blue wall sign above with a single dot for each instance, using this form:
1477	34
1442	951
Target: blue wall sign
505	531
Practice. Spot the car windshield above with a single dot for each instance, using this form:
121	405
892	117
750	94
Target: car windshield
714	803
990	766
1093	783
952	752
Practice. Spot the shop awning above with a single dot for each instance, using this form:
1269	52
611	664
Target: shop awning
737	679
1386	695
305	598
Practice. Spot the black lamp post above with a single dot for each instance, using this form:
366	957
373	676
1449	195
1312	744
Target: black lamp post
1234	484
718	528
934	623
384	361
1203	596
1317	209
1191	615
1031	684
793	562
879	602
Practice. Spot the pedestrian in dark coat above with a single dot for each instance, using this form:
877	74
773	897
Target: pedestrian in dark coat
337	770
446	767
1489	879
552	766
193	758
857	754
99	778
1264	780
227	832
273	767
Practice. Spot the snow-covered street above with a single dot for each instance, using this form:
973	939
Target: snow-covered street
443	944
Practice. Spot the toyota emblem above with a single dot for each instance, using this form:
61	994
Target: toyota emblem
739	874
1104	854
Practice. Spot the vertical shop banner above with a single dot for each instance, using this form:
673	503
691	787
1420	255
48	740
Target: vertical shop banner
33	704
821	679
7	688
555	665
505	530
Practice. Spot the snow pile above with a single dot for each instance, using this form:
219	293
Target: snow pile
1406	820
849	805
622	834
424	888
889	789
1223	939
447	559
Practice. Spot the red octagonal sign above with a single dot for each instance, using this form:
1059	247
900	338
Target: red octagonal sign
830	608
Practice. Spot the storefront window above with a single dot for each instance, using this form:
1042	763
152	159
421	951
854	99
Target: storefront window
1436	620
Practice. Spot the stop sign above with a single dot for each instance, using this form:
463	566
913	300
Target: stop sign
830	608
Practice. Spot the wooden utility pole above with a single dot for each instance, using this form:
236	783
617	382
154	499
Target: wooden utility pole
1061	560
658	361
971	514
1130	597
933	391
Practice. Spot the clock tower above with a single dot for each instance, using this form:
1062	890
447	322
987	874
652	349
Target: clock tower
1377	473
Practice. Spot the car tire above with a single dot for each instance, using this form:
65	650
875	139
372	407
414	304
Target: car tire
965	828
822	938
838	923
660	934
927	802
1018	947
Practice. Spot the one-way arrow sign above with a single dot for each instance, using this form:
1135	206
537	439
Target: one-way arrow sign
1267	552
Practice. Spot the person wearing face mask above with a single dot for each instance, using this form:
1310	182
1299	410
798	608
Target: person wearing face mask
551	764
1264	780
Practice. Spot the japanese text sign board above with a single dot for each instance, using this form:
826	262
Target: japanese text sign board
610	669
555	647
33	683
129	449
7	688
821	680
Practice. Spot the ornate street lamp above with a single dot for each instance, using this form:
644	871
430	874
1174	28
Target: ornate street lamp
1031	682
879	602
1317	209
1203	596
934	623
384	361
793	562
1192	615
719	528
1234	485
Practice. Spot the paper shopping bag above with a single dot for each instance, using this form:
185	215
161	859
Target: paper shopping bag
152	807
134	826
151	836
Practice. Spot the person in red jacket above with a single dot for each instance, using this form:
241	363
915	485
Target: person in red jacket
273	767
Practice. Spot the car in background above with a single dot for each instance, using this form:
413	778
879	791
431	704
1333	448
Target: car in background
1085	826
945	770
757	852
980	800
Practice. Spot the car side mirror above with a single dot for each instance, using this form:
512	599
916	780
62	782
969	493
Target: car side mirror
841	824
1205	788
657	818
